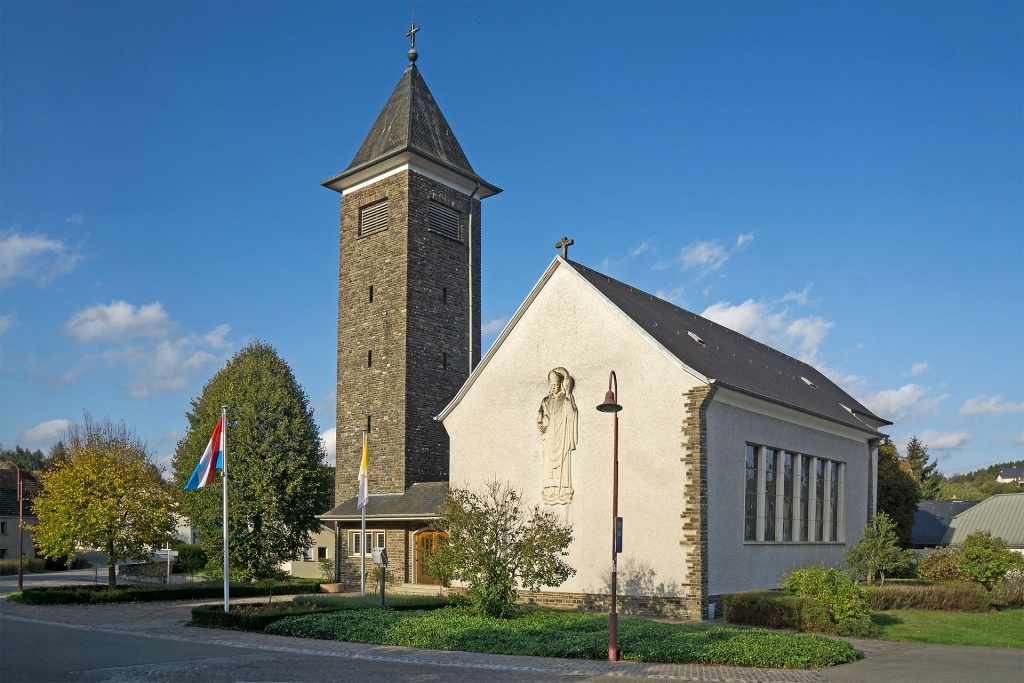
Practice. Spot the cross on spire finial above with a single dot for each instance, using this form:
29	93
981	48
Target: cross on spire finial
413	28
564	245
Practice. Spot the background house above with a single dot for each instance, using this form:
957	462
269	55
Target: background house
308	565
932	520
9	512
1001	515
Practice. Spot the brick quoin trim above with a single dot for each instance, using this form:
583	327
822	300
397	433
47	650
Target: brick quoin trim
695	499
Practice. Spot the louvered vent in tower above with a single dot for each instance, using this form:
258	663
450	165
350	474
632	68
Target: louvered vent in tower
373	218
444	220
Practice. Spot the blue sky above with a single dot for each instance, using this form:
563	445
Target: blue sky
840	180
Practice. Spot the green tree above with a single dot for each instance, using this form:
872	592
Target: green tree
898	492
494	545
277	481
878	550
106	495
25	459
191	557
929	479
985	559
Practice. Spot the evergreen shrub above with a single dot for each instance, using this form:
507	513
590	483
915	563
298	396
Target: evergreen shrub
945	596
98	594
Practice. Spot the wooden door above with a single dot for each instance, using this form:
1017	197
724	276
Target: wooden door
425	542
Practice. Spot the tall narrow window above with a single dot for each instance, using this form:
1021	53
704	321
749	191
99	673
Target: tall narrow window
369	358
805	496
750	497
770	471
373	218
444	295
787	497
371	294
444	360
819	502
833	486
367	424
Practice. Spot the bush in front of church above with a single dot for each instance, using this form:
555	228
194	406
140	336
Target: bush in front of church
492	544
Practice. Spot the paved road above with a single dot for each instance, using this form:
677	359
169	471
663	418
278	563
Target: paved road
148	642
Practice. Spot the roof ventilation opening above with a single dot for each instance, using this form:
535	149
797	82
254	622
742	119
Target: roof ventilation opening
808	382
697	339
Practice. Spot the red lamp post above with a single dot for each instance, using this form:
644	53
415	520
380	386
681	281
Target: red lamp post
612	406
21	528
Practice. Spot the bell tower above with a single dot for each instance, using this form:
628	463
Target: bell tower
408	290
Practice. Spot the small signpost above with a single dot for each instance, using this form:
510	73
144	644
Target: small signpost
380	558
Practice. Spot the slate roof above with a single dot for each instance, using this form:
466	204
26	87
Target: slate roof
932	519
1001	515
411	121
732	359
419	501
1008	474
9	492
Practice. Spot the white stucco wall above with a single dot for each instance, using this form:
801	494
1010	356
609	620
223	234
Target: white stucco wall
734	565
494	434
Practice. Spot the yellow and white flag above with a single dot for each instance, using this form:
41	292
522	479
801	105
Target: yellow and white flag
361	500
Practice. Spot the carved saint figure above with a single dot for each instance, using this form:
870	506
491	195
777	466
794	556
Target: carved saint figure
557	422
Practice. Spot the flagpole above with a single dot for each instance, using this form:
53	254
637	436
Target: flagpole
224	480
362	541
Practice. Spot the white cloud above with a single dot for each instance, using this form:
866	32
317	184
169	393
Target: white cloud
329	440
494	326
43	435
643	247
707	255
918	369
801	337
75	218
162	360
35	257
943	441
120	320
993	405
6	322
799	298
675	295
904	403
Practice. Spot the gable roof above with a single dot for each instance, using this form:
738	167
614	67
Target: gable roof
717	356
932	519
30	487
411	121
419	501
1008	474
731	359
1001	515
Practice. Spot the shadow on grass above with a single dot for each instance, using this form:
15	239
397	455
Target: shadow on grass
880	619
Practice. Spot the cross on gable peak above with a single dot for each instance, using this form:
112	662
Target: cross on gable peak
564	245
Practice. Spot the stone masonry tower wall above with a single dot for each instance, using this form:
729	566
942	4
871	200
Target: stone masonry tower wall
403	355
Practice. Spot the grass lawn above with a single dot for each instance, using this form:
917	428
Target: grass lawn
1002	628
551	633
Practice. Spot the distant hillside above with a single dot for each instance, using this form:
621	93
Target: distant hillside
979	484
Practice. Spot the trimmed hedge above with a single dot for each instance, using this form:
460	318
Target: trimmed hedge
250	617
257	616
552	633
776	609
99	594
947	596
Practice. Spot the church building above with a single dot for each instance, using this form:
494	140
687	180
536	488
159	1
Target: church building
736	461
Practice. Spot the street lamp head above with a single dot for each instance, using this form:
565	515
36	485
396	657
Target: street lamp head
609	405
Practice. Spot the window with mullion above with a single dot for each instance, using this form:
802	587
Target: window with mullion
834	501
771	457
819	502
750	496
805	494
787	497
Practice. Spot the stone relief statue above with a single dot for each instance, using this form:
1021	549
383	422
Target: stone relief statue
558	423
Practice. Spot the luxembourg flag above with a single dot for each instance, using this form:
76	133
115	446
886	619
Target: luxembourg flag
212	460
361	500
